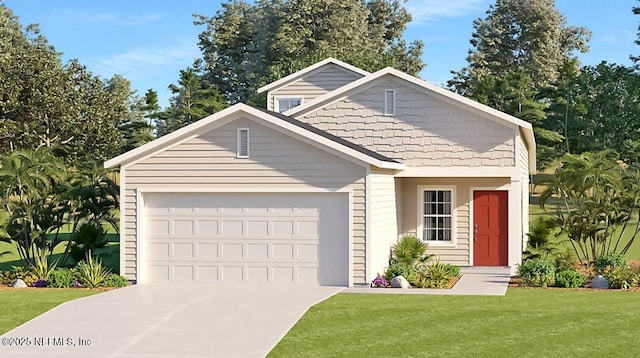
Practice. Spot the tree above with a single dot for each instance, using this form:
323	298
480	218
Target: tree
530	36
151	107
44	103
598	201
131	110
41	195
610	94
192	100
636	59
248	45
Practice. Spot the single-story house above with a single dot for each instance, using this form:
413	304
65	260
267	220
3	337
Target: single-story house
317	187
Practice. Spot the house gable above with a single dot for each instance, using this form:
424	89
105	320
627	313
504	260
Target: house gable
292	127
423	131
311	82
467	105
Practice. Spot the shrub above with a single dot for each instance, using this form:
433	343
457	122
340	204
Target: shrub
621	277
25	274
540	243
409	251
114	280
379	282
436	275
612	259
453	270
398	269
538	272
91	273
42	268
5	278
570	279
61	278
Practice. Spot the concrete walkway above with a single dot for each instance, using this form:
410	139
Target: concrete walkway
170	320
482	281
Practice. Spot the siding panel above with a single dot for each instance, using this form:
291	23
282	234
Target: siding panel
315	84
424	131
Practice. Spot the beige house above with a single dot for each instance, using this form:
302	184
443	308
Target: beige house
316	188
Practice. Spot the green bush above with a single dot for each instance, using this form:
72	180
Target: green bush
114	280
91	273
18	272
61	278
622	277
398	269
436	275
538	272
570	279
6	278
453	270
613	259
409	251
42	267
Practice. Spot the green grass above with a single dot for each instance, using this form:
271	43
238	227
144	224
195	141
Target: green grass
524	323
20	305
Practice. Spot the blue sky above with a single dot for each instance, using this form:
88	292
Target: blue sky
149	41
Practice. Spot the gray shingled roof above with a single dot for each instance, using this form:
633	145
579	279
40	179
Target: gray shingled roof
329	136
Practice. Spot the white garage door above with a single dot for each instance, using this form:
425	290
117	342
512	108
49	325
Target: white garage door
294	237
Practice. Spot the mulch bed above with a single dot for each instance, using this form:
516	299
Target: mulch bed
452	283
516	282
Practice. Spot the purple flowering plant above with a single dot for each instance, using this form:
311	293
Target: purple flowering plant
39	283
379	282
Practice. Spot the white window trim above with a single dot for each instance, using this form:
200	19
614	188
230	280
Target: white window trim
276	99
240	130
386	98
454	213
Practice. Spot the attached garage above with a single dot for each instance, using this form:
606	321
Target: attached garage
247	196
257	237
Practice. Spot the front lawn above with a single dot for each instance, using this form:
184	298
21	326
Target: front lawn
524	323
17	306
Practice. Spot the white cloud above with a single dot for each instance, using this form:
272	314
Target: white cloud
424	11
107	18
146	62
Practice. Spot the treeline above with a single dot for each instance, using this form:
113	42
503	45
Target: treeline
522	61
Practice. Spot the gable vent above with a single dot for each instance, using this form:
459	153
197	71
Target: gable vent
243	143
389	102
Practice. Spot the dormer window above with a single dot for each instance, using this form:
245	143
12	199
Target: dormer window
285	104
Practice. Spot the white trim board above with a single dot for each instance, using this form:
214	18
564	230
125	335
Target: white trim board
454	214
459	172
505	187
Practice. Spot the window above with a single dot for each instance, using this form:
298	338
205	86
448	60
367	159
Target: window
436	215
389	102
243	143
285	104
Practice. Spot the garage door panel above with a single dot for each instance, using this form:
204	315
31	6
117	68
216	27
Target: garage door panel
247	237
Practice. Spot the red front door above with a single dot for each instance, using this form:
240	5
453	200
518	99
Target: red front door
490	228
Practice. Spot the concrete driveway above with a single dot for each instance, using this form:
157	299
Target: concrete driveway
168	320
